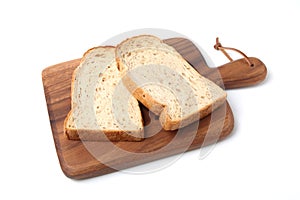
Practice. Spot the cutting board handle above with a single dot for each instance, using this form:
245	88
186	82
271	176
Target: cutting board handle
238	73
235	74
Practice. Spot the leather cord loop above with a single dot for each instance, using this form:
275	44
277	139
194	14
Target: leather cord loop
218	46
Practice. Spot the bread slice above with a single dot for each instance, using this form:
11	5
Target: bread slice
158	76
101	105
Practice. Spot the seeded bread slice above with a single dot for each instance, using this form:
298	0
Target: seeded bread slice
101	105
158	76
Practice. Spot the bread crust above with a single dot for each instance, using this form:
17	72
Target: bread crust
93	135
168	124
134	37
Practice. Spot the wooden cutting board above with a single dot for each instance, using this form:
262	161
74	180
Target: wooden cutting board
80	160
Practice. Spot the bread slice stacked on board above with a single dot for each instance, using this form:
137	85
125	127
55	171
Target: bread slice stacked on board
165	83
142	68
101	105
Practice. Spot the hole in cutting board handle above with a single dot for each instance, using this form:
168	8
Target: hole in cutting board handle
238	73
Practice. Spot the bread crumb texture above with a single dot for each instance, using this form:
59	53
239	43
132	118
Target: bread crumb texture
164	78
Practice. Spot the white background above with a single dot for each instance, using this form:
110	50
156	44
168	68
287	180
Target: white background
259	161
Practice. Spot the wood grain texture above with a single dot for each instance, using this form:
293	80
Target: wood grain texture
80	160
